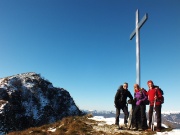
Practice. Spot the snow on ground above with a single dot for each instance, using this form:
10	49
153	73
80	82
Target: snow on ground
173	132
111	121
108	121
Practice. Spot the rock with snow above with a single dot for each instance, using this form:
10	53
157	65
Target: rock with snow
28	100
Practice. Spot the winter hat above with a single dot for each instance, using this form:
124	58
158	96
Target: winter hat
150	81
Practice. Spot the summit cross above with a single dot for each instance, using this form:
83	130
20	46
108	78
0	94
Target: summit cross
136	32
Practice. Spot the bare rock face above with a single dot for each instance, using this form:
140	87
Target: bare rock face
28	100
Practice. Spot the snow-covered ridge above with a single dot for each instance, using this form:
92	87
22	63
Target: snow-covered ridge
171	112
108	112
22	75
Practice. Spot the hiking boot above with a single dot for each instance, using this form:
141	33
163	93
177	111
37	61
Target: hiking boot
120	128
149	129
145	128
117	126
125	125
134	128
131	128
158	130
140	129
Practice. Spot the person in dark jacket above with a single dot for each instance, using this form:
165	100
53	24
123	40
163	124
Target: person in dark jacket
120	102
155	97
140	123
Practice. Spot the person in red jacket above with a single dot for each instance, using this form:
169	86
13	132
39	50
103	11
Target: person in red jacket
154	95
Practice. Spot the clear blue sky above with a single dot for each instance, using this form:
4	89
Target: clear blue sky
83	46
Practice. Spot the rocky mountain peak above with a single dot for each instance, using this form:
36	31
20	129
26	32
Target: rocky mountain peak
28	100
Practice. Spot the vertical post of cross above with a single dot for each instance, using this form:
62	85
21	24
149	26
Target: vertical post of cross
137	50
136	32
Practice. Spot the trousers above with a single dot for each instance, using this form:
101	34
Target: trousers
126	114
158	115
139	116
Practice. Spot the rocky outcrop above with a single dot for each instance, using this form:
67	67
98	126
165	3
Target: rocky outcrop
28	100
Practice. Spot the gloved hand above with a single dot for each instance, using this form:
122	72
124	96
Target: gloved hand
130	101
138	102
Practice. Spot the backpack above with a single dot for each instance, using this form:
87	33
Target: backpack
119	97
162	93
146	102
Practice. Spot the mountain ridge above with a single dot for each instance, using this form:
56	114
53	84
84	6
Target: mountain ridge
29	100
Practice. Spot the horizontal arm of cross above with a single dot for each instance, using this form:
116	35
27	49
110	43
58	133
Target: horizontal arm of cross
139	25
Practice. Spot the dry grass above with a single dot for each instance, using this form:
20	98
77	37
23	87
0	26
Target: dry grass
74	125
78	125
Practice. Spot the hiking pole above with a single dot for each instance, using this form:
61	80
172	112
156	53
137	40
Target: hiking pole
153	117
130	118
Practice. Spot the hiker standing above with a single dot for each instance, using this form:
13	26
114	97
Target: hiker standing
120	101
139	113
154	95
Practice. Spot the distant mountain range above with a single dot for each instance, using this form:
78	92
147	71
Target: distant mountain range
169	118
